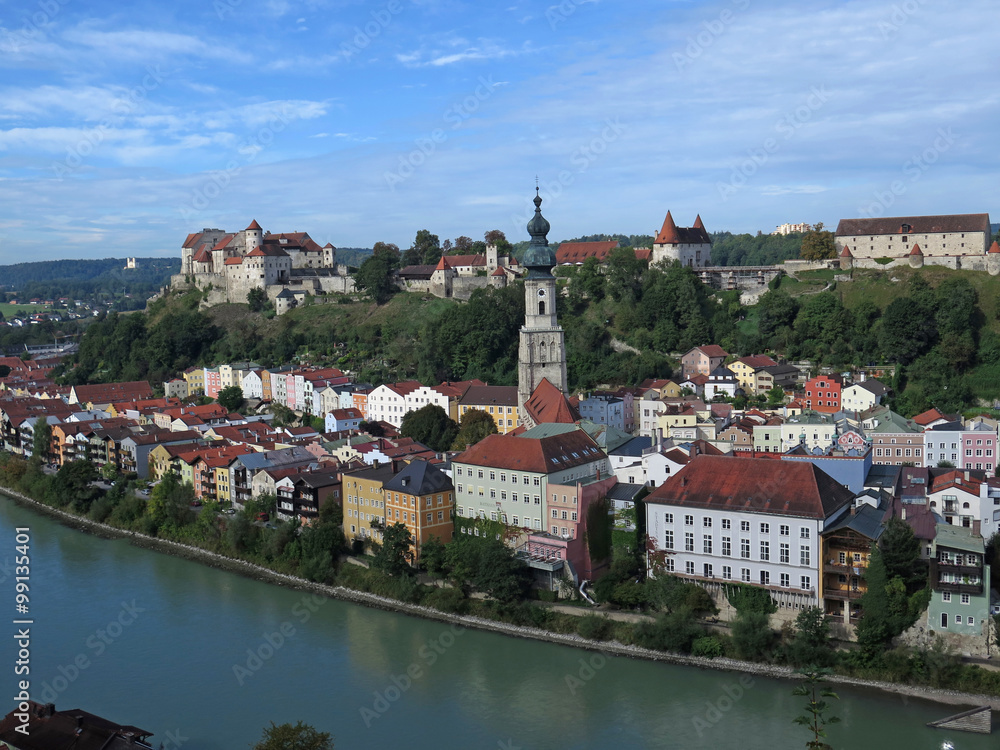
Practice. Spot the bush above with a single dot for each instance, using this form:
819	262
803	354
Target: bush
594	627
708	646
545	595
676	631
752	635
101	509
450	600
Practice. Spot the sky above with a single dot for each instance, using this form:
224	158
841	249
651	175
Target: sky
125	126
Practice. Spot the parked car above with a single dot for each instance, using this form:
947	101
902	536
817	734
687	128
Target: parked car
230	511
196	503
263	517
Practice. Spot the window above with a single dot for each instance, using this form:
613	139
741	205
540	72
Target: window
493	476
555	530
784	530
944	619
689	542
726	523
503	476
744	526
765	550
966	599
689	568
668	518
706	522
745	575
708	571
806	583
480	473
669	564
555	513
689	520
538	500
668	539
430	518
803	555
783	553
765	528
706	544
459	488
784	580
727	547
513	497
804	532
765	578
727	572
745	549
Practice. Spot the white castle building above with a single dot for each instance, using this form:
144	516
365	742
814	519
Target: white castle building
690	246
233	263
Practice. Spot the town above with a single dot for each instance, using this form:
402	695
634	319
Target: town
787	494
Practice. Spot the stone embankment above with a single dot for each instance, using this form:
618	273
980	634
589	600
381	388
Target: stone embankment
606	648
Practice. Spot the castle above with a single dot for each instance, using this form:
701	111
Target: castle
458	276
690	246
230	264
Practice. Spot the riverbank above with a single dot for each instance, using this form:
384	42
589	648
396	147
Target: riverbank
264	574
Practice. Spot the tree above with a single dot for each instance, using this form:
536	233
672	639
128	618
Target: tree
818	244
257	299
907	330
462	245
498	238
901	554
72	484
231	398
474	425
624	275
374	277
811	644
294	737
425	250
374	429
752	635
396	553
170	503
431	426
816	717
41	440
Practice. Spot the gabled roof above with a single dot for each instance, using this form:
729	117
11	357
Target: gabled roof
577	252
875	387
202	256
711	350
466	260
917	224
542	455
757	361
548	404
442	265
420	478
754	485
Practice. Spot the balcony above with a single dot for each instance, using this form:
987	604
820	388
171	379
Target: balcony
959	570
843	595
844	569
959	588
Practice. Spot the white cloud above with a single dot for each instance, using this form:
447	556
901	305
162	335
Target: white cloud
143	45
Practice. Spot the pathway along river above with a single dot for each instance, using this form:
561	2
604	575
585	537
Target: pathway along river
205	659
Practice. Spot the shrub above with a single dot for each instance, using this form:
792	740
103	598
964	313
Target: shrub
450	600
708	646
594	627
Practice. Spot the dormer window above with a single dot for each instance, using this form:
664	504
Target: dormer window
905	229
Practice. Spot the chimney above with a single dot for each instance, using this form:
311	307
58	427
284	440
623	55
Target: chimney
598	475
966	476
977	528
375	464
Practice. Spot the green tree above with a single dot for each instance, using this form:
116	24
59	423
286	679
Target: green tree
473	426
433	556
907	330
624	275
396	553
231	398
775	310
498	238
810	645
375	276
170	503
431	426
42	441
818	244
293	737
590	279
901	554
425	250
257	299
462	245
752	635
816	717
72	484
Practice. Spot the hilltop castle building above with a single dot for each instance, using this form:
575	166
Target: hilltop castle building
230	265
690	246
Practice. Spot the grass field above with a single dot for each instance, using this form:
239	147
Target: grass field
11	311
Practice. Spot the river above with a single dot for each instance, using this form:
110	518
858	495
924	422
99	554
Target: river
206	658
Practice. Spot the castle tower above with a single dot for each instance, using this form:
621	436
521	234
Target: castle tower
542	352
253	235
689	246
492	258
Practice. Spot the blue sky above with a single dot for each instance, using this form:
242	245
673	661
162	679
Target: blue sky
125	126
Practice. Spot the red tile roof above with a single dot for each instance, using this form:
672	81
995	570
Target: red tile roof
577	252
671	234
994	248
466	260
254	225
754	485
192	240
542	455
549	405
757	361
713	350
915	250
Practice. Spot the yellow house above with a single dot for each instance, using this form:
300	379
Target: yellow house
499	401
364	501
673	419
195	378
746	368
222	483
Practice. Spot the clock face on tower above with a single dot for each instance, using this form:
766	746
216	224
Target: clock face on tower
541	292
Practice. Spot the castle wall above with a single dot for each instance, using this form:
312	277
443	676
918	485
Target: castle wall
896	245
694	256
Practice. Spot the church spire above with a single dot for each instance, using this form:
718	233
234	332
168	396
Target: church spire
538	258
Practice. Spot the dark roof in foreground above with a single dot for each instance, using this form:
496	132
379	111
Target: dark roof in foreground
754	485
75	728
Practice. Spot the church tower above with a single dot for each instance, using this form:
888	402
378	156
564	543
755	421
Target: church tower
542	352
